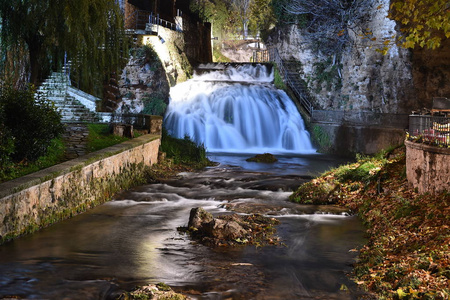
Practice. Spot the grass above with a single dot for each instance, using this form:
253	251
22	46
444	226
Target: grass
184	151
278	80
218	56
100	137
54	156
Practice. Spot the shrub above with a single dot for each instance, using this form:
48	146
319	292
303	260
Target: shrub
154	104
28	125
183	151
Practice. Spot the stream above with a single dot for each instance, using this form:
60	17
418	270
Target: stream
133	240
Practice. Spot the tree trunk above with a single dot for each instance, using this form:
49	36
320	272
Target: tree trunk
34	50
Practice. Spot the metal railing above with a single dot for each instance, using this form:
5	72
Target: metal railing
156	20
139	121
430	129
272	55
141	19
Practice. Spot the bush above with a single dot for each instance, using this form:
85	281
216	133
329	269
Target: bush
154	104
27	125
184	151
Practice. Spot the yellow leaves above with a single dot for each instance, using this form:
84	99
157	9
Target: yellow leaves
422	21
401	294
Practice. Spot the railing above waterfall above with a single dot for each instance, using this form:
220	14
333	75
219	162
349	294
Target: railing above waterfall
141	20
291	78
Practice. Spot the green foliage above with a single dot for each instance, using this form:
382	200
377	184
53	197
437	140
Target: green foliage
277	79
183	151
100	137
146	54
262	16
154	104
54	155
321	138
32	124
328	72
425	23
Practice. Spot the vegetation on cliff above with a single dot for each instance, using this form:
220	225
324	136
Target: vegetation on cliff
407	255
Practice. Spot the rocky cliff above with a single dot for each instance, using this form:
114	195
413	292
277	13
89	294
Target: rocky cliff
363	79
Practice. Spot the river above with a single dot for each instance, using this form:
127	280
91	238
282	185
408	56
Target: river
133	240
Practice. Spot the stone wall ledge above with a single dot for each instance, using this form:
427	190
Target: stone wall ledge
428	148
24	182
48	196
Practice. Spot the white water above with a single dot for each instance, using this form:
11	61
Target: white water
237	110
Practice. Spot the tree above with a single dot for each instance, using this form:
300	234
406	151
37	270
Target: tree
262	16
242	9
328	22
424	22
89	32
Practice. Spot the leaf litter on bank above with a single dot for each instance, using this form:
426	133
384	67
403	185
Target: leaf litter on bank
407	255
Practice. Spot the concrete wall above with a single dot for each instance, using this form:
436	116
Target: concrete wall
59	192
347	140
428	167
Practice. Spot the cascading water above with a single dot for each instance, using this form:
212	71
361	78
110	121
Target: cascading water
237	110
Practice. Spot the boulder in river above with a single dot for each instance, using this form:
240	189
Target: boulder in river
263	158
231	229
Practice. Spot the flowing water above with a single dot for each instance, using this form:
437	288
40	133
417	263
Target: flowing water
133	240
237	110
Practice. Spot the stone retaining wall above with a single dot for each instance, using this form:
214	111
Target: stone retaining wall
347	140
59	192
75	139
428	167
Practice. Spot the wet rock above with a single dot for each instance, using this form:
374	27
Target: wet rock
231	229
198	218
153	292
225	230
263	158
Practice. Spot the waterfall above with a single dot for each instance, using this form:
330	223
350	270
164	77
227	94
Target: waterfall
237	110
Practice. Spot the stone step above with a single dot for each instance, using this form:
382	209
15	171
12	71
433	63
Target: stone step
71	110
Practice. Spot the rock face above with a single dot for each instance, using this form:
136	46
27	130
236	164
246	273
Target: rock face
362	78
142	80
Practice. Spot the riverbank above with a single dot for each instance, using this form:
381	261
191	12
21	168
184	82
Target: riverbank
407	255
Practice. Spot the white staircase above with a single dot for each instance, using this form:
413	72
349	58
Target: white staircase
56	88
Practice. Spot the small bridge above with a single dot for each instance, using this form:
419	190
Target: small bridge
146	22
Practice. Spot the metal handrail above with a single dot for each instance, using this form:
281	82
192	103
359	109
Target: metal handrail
272	55
156	20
